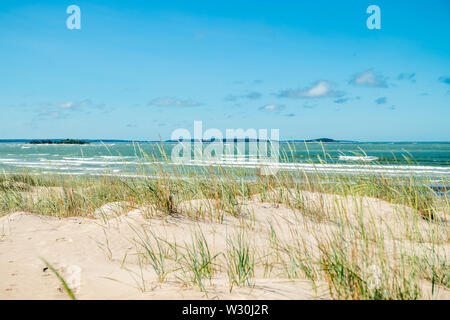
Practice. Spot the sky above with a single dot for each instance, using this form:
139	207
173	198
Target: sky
139	70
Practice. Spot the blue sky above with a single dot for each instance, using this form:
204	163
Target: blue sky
140	69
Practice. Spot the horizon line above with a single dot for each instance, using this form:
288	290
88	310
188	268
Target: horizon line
316	140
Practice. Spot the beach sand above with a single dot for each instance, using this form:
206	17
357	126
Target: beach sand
102	258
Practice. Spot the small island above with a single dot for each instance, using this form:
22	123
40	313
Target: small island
65	141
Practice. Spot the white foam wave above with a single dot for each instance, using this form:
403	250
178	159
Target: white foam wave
109	165
358	158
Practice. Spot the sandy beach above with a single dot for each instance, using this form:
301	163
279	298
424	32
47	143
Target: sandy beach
106	257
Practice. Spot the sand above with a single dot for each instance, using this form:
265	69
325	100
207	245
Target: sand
99	257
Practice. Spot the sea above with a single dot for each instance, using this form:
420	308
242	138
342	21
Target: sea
429	160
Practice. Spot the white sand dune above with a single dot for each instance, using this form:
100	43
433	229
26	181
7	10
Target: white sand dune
99	260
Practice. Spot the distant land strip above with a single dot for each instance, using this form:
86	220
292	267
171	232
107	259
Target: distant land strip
87	141
320	140
64	141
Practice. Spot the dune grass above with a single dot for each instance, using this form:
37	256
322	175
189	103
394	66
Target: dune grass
64	284
358	260
64	196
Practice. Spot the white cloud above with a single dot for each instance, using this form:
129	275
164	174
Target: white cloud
321	89
174	102
272	107
66	105
369	79
64	109
249	95
74	104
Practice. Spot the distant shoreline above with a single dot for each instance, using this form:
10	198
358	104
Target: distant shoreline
57	141
83	141
321	140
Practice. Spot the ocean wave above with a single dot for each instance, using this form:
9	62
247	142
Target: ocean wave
323	168
108	165
358	158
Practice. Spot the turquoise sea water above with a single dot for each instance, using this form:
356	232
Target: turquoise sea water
126	158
